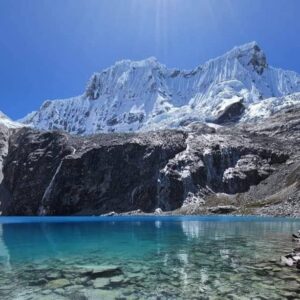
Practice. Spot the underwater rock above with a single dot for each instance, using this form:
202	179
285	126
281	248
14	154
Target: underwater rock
53	275
102	294
105	271
38	282
100	283
58	283
100	271
117	279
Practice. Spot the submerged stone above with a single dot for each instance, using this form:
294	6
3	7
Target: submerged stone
117	279
100	271
53	275
59	291
46	292
100	283
47	297
58	283
41	281
102	294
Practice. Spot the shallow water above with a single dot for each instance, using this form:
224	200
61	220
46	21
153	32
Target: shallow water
156	257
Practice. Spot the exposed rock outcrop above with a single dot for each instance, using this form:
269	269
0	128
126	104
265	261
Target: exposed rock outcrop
249	170
272	180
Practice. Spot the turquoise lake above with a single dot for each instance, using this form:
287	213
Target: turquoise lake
147	258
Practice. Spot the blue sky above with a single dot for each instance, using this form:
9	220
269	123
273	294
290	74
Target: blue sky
49	48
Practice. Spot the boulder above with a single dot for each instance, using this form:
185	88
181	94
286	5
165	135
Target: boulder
158	211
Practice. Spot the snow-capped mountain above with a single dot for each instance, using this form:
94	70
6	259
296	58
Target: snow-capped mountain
7	122
144	95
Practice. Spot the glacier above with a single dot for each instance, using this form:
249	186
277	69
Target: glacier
146	95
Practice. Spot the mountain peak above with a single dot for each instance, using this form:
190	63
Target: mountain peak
127	63
250	54
7	122
249	46
121	72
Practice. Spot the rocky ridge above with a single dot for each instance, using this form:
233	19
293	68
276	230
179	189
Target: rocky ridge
239	169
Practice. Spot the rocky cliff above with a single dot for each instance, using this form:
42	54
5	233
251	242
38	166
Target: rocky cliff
7	128
249	168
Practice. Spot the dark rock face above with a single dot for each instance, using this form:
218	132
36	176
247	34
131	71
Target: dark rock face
4	135
113	176
53	173
232	113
